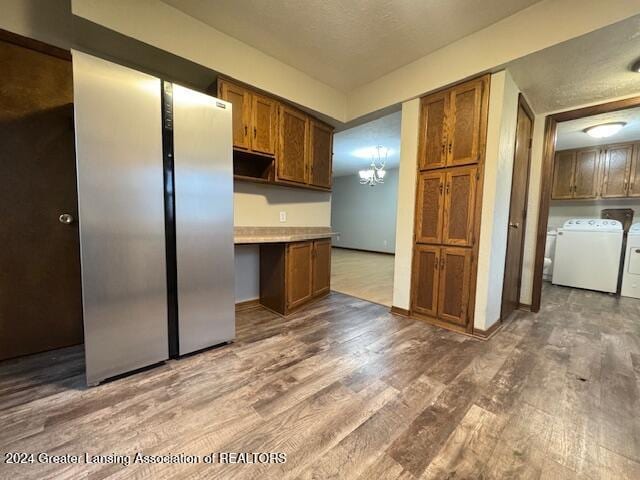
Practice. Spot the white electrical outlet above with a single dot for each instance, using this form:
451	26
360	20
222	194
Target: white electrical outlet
283	216
338	238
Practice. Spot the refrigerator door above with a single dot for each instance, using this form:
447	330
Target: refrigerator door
121	210
203	169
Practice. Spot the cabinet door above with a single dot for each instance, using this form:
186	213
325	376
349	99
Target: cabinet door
292	157
617	167
240	100
585	182
634	178
425	276
429	208
321	266
264	117
320	154
433	118
464	124
299	281
455	278
459	203
563	170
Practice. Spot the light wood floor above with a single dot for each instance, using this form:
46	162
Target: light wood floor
349	391
365	275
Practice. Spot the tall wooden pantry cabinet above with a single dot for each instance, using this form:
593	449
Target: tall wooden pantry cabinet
453	128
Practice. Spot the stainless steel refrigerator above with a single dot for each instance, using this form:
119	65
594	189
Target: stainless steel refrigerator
155	192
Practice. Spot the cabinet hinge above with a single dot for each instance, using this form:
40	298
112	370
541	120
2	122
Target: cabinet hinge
477	175
530	142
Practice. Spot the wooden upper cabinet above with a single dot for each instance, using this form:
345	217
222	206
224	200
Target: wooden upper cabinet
425	281
616	170
299	275
464	123
563	170
264	120
433	121
321	266
293	138
459	206
454	284
430	207
585	177
240	99
320	154
634	177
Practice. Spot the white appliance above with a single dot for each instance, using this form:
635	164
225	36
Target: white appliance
549	254
631	273
587	254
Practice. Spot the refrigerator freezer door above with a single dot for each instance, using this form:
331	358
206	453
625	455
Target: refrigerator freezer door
203	169
121	206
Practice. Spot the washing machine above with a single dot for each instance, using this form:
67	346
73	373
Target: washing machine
631	273
588	252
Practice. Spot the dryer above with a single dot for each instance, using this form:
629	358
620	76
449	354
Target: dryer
587	254
631	273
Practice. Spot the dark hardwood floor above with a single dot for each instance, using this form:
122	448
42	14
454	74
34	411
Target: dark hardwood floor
348	390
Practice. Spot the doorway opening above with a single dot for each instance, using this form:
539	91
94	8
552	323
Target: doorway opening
363	209
587	243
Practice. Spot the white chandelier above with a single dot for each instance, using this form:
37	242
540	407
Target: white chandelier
375	174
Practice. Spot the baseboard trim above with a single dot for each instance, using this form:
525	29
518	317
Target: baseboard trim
247	305
489	332
363	250
399	311
524	306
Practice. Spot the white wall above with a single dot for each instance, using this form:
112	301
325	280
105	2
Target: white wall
365	216
496	198
407	176
48	21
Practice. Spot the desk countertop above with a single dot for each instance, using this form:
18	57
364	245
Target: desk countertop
244	235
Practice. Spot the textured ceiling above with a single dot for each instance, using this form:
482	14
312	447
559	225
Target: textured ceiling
571	134
587	69
348	145
348	43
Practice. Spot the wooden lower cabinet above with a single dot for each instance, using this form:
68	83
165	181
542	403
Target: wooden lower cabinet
441	283
292	274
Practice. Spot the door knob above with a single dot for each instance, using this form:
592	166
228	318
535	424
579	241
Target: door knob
66	218
514	224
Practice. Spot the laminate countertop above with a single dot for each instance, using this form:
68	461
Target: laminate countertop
244	235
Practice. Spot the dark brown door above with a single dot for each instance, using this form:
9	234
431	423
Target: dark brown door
459	203
563	170
433	118
40	292
634	179
321	266
464	124
264	117
517	212
299	282
455	277
429	211
617	167
292	158
425	273
240	100
320	154
585	183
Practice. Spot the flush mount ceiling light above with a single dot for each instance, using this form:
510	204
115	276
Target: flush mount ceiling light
604	130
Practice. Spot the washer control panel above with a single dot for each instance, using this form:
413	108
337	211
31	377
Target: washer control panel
593	225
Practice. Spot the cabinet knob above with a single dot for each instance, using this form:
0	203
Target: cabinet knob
514	224
66	218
